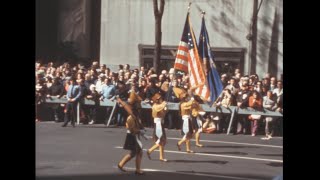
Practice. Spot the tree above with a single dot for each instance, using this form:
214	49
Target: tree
158	34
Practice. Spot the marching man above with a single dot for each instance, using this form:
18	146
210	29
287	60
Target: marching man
185	111
159	110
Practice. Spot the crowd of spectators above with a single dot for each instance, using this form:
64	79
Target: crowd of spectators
98	83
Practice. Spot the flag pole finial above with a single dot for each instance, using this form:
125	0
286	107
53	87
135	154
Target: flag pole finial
189	6
203	13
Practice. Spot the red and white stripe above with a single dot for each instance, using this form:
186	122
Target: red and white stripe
196	75
181	62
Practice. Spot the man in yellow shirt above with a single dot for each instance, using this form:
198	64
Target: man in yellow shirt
159	109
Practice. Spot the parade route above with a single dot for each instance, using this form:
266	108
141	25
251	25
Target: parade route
93	151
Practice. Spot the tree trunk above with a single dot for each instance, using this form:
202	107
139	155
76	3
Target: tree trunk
157	53
158	34
254	38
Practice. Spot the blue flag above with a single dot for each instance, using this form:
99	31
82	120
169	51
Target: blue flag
213	78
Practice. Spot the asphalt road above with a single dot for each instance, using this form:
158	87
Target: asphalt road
93	151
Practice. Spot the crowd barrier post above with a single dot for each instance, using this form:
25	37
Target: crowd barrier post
110	117
231	119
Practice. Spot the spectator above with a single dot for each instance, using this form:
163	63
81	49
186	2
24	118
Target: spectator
73	97
258	88
242	102
270	104
108	92
233	86
224	80
255	102
56	90
94	96
100	82
273	83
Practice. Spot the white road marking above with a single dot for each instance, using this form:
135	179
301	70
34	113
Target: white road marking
197	174
228	142
217	155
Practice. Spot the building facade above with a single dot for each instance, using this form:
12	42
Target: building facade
127	33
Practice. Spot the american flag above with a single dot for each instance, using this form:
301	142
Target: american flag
188	61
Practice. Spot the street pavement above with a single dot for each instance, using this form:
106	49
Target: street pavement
93	151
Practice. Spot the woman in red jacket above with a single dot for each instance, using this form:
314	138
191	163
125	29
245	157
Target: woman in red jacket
255	102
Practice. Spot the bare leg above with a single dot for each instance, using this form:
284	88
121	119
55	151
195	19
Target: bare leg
138	163
180	142
123	161
188	146
197	137
149	151
161	153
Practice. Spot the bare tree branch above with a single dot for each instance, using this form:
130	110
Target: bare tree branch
155	8
161	7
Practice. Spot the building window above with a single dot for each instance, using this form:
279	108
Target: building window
227	59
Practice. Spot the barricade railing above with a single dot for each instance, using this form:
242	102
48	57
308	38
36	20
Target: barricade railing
233	110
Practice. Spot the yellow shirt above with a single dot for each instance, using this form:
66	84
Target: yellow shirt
158	110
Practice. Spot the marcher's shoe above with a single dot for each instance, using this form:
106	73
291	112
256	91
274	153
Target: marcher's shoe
73	124
139	173
253	134
121	168
64	125
199	145
91	122
163	160
190	151
148	154
179	148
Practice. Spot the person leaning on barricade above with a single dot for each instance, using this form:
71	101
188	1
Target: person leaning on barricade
41	90
108	91
226	100
242	102
270	104
83	108
56	90
94	96
73	97
255	102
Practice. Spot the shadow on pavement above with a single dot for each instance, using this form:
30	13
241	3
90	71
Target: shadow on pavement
154	176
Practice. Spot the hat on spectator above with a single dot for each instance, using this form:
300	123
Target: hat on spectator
155	97
164	72
180	93
92	86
